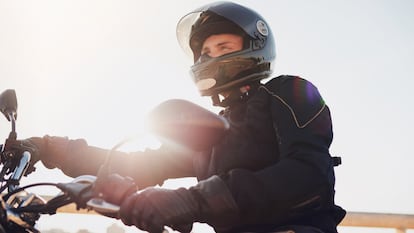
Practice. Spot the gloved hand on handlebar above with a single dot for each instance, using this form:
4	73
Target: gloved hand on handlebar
154	208
113	188
20	146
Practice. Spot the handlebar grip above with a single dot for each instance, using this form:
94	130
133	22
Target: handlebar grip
20	169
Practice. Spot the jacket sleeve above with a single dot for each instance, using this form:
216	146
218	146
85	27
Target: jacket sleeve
300	181
147	168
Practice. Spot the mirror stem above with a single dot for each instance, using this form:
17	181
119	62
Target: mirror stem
13	134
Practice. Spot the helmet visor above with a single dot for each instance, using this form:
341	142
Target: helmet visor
184	32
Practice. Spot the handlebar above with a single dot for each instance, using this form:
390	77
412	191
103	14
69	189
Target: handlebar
20	209
23	209
19	171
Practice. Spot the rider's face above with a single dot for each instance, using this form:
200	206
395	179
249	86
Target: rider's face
221	44
218	45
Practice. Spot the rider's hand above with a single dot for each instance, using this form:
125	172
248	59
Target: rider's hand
20	146
113	188
154	208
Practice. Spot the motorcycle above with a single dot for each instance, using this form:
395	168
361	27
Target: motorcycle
178	120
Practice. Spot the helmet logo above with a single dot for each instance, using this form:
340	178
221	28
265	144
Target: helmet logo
205	84
262	28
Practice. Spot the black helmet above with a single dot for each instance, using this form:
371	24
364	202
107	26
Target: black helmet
251	64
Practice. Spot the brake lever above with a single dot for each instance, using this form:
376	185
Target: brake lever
80	191
103	207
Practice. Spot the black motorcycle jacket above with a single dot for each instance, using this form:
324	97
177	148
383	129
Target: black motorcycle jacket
276	159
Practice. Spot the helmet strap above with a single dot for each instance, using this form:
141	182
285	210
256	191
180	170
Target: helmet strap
216	100
237	95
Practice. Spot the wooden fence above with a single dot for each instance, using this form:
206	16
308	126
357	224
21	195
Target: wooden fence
400	222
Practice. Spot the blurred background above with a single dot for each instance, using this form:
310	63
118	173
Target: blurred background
93	69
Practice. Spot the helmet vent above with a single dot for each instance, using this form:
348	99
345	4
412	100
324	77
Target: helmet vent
205	84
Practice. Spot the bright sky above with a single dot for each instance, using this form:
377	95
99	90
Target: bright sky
93	69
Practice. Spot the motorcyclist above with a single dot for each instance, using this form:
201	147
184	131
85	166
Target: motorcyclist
272	172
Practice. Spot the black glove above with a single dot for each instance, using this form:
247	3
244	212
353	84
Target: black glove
113	188
19	146
154	208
